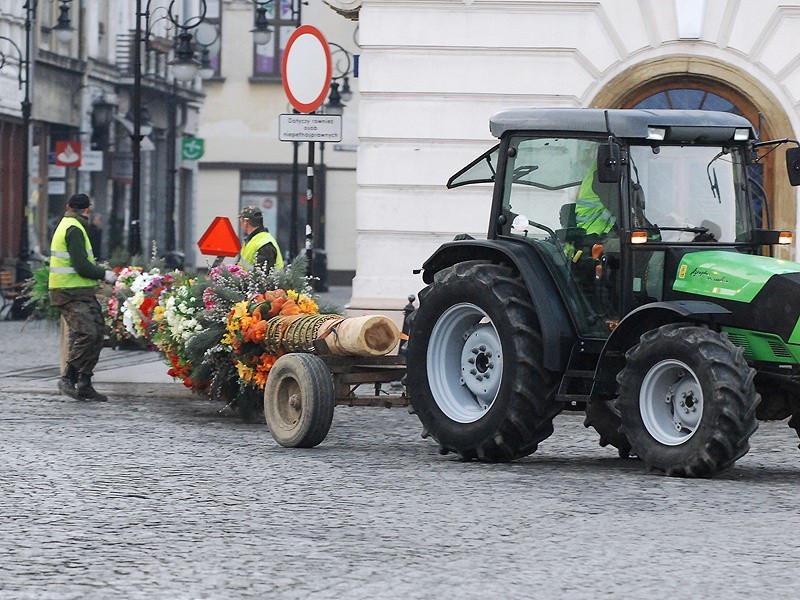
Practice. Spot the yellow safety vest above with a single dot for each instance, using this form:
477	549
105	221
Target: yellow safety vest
590	213
62	273
251	248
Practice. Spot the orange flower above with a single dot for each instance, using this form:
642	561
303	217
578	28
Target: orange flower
290	308
256	333
277	305
264	366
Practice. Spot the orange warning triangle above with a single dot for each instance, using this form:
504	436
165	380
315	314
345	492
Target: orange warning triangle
220	239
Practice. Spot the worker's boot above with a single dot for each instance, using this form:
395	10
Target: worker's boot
86	391
67	382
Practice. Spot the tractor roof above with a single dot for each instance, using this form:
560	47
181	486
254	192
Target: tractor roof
632	123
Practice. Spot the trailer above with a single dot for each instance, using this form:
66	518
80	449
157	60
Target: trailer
303	389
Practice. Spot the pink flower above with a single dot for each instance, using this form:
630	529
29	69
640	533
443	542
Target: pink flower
208	298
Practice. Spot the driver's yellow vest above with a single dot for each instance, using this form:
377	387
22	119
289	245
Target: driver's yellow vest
62	273
591	215
251	248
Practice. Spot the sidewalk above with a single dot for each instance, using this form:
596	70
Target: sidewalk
29	360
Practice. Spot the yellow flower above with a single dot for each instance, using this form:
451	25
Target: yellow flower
239	309
292	295
308	306
158	313
226	340
245	372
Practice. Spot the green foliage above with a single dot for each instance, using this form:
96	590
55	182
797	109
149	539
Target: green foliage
37	292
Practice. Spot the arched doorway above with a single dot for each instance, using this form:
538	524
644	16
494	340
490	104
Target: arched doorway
700	83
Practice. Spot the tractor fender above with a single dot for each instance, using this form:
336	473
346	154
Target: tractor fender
639	321
558	333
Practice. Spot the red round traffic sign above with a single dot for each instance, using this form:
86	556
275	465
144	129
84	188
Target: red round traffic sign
306	69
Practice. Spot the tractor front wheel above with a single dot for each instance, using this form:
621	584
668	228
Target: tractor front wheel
687	401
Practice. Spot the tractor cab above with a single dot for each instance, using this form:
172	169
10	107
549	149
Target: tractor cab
613	199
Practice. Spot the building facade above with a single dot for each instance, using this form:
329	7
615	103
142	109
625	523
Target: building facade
82	97
245	163
433	72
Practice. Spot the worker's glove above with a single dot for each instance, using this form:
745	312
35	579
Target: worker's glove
111	277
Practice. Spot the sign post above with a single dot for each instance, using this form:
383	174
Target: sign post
306	74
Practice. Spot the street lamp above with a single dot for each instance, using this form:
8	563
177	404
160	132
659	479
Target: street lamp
184	68
207	37
341	69
262	32
102	115
63	29
23	60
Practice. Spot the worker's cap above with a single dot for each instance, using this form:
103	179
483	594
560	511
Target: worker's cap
79	201
250	212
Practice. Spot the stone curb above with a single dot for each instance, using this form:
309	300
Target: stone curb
139	390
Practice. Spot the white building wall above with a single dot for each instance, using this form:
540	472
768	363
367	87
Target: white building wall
432	73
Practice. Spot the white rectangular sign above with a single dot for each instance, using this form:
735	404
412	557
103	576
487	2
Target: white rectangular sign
310	128
92	160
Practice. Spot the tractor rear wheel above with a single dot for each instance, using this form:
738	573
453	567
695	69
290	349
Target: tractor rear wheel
687	401
474	364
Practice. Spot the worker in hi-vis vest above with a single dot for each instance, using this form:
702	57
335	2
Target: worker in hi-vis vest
260	248
73	280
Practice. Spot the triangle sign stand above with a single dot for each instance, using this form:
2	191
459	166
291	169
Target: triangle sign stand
220	239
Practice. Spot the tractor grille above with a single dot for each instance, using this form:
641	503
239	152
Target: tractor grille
742	341
760	346
778	349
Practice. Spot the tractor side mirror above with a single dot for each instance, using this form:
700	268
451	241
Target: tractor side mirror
793	165
609	169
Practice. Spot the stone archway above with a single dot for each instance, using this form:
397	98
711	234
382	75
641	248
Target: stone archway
649	77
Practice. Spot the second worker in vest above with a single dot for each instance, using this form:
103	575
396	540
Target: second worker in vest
74	276
260	247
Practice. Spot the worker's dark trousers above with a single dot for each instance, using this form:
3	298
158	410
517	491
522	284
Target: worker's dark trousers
86	329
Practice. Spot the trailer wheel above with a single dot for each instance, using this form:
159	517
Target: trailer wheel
604	417
474	363
687	401
299	400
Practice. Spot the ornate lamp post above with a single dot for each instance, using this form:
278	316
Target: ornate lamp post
184	68
262	32
63	31
342	63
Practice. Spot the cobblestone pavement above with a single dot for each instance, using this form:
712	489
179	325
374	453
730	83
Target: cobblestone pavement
152	498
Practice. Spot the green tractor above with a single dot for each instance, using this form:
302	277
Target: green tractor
624	272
